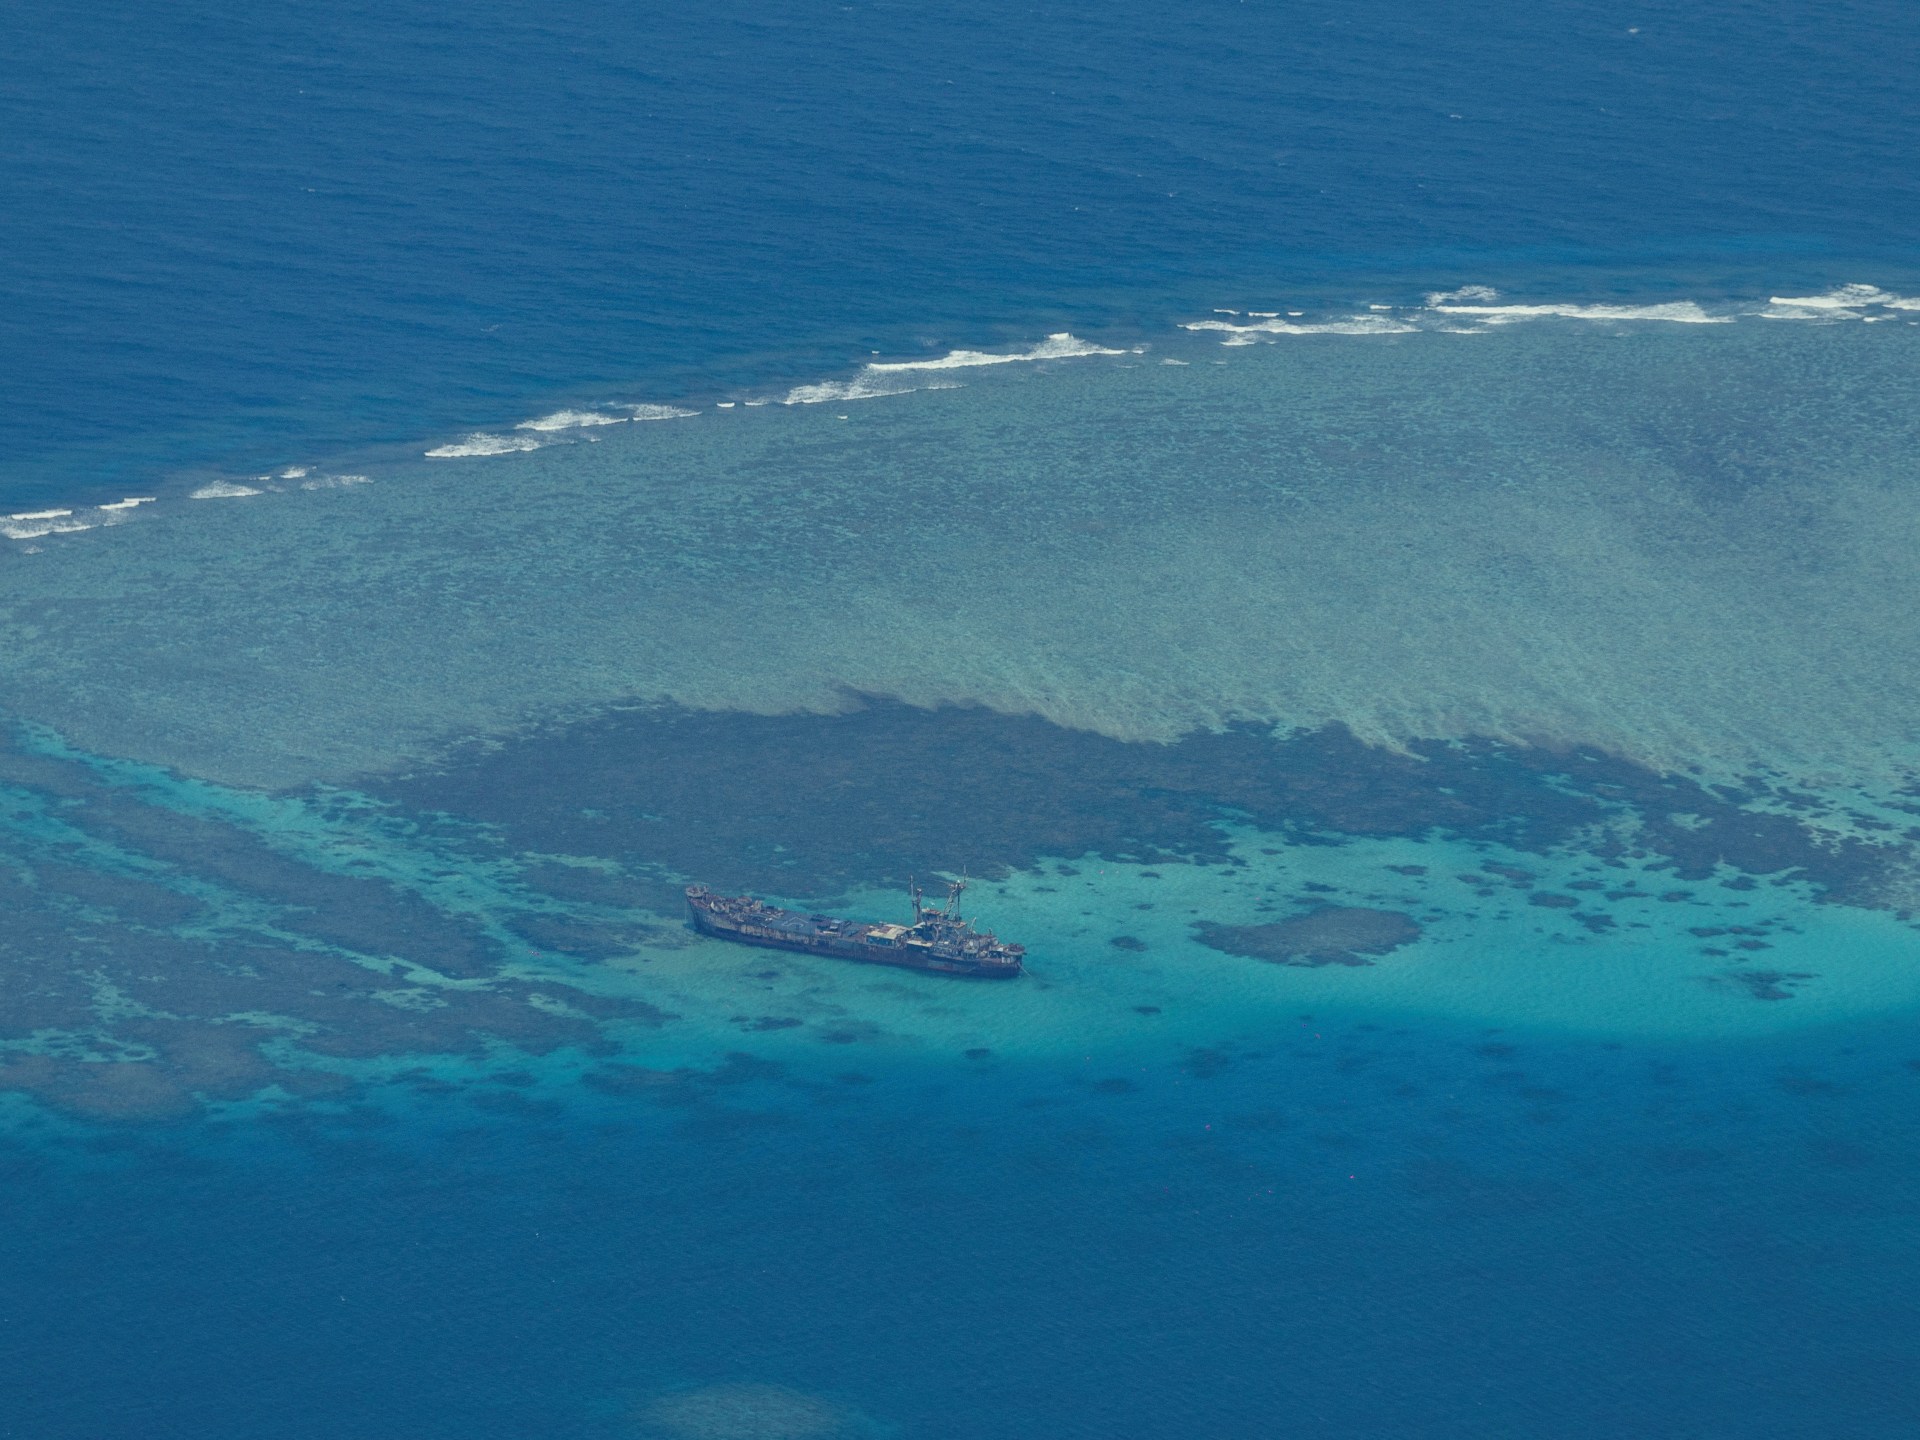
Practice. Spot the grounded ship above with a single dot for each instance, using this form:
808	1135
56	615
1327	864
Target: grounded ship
938	941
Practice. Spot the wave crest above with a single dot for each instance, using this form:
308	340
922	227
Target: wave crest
481	443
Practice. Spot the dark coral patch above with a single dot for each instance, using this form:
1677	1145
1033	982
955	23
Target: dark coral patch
266	972
1766	984
584	940
1330	935
818	804
1206	1062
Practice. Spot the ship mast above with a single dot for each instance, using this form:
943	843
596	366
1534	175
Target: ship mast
948	911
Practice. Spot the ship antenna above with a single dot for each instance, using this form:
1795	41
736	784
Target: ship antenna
954	889
913	889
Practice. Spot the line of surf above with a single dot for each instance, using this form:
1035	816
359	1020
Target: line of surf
1469	309
1477	309
34	524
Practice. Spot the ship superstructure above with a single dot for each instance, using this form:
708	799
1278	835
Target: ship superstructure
939	940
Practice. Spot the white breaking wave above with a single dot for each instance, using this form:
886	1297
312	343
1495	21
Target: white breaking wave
34	529
1060	346
1683	312
1465	292
335	482
881	377
587	419
222	490
32	524
1468	310
1848	302
295	472
862	387
1355	325
571	420
481	443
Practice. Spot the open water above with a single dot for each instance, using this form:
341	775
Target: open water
1381	538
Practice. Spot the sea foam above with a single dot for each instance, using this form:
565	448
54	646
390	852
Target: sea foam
1059	346
864	386
33	524
571	420
882	378
480	443
1470	309
1681	312
1846	302
1354	325
590	419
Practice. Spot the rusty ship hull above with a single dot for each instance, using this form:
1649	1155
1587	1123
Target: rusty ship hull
938	943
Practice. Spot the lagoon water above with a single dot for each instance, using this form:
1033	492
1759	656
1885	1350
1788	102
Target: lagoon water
1382	541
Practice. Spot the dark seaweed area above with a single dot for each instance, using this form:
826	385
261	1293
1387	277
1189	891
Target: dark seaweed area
812	805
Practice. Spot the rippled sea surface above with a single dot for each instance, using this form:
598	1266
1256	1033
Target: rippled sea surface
1380	543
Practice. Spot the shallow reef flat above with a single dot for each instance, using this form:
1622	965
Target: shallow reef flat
1685	544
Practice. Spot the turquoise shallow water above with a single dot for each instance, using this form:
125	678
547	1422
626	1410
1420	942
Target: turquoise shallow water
1577	940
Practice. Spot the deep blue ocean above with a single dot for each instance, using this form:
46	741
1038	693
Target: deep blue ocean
1381	535
256	237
